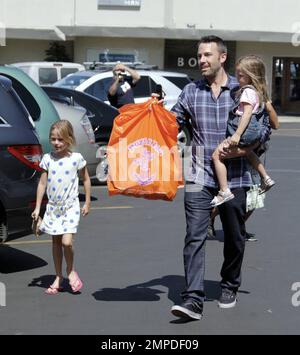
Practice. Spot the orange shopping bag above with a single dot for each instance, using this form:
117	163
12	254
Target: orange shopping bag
142	153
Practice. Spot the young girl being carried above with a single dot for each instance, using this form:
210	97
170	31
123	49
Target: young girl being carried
244	128
60	178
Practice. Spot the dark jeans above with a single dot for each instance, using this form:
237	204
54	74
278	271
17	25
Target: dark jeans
197	209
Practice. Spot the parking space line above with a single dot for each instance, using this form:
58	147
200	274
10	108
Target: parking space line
44	241
112	208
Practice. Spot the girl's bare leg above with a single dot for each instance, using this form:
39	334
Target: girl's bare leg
57	259
67	242
220	169
257	165
74	280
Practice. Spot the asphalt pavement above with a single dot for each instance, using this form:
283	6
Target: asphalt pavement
128	253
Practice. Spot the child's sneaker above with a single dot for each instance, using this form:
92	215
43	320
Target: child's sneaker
222	197
266	185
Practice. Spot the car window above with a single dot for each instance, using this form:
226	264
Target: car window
100	89
47	76
72	80
66	71
13	112
180	82
143	87
28	100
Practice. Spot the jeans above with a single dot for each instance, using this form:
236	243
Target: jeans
197	209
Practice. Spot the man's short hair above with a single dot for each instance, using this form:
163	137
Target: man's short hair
214	39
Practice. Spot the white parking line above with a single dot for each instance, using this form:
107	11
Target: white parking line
111	208
284	171
44	241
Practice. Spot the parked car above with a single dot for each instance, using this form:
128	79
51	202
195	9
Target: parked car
101	117
44	113
47	73
36	101
99	113
97	82
83	131
20	154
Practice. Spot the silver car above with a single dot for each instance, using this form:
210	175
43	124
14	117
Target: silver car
84	134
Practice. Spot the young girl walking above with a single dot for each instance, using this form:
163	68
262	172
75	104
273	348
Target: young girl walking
60	178
244	128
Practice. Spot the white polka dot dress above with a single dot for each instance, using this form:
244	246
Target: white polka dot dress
63	210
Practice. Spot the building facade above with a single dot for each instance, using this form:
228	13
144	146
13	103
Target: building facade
165	34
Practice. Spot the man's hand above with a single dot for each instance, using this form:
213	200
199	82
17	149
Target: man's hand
120	67
228	151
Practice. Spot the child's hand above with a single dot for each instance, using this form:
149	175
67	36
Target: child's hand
35	214
235	139
85	209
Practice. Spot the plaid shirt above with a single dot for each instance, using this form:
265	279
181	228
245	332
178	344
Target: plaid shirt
209	121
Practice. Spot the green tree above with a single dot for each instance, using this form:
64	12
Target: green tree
57	53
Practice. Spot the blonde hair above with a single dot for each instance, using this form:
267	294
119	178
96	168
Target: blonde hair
254	68
65	130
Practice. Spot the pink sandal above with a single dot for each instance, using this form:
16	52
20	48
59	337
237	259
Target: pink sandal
77	284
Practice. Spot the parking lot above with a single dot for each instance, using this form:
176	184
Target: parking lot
129	255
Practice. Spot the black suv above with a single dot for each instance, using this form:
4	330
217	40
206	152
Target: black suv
20	154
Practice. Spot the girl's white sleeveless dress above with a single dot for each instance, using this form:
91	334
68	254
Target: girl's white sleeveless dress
63	210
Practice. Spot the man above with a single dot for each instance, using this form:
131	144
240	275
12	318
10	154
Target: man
120	92
207	103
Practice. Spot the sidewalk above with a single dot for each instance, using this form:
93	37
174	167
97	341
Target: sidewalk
289	119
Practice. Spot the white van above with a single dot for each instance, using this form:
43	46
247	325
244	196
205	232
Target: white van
47	73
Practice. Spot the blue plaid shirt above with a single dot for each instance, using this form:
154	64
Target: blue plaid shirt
209	121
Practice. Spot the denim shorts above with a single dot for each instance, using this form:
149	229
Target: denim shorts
251	135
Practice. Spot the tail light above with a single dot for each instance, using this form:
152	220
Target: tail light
30	155
88	129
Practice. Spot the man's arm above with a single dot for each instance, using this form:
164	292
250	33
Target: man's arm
227	152
114	86
180	109
134	74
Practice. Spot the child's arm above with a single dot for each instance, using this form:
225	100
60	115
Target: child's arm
244	121
87	189
39	195
273	115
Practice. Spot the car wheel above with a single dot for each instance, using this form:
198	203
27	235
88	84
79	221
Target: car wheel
183	139
102	168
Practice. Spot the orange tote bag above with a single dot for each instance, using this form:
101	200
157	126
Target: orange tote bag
142	153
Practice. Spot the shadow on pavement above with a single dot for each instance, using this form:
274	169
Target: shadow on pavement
218	238
46	280
82	198
14	260
144	291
